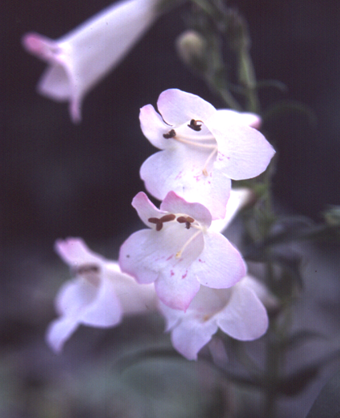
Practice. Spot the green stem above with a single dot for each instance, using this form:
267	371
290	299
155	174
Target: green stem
248	79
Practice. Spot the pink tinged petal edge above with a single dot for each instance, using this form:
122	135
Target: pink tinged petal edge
190	336
146	209
243	151
153	127
75	252
175	204
40	46
219	265
244	318
178	107
59	331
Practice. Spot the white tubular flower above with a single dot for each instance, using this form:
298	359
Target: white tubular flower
80	59
98	296
202	149
237	311
179	252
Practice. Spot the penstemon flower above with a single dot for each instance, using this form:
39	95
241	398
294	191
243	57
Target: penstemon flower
179	252
81	58
98	296
202	149
237	311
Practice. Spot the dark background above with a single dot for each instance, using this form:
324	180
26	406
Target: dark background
58	179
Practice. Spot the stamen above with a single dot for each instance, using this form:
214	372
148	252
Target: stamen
168	218
195	144
187	220
159	222
88	272
86	268
198	138
179	253
170	134
153	220
204	170
194	125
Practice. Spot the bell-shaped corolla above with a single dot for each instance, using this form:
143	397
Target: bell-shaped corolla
202	149
237	311
99	295
80	59
179	252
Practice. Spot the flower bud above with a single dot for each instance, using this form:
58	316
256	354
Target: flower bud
191	48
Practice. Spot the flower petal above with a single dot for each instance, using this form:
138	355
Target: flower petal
75	252
181	171
269	300
243	151
136	258
74	296
219	265
178	288
154	127
60	331
171	316
145	208
151	256
105	310
178	107
190	336
175	204
244	317
240	118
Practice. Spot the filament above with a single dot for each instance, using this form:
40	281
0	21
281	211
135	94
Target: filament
179	253
204	170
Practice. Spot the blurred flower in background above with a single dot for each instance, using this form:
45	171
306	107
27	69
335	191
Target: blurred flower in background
80	59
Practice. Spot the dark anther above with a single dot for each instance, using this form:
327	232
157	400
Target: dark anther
87	268
170	134
187	220
153	220
168	218
158	222
194	124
